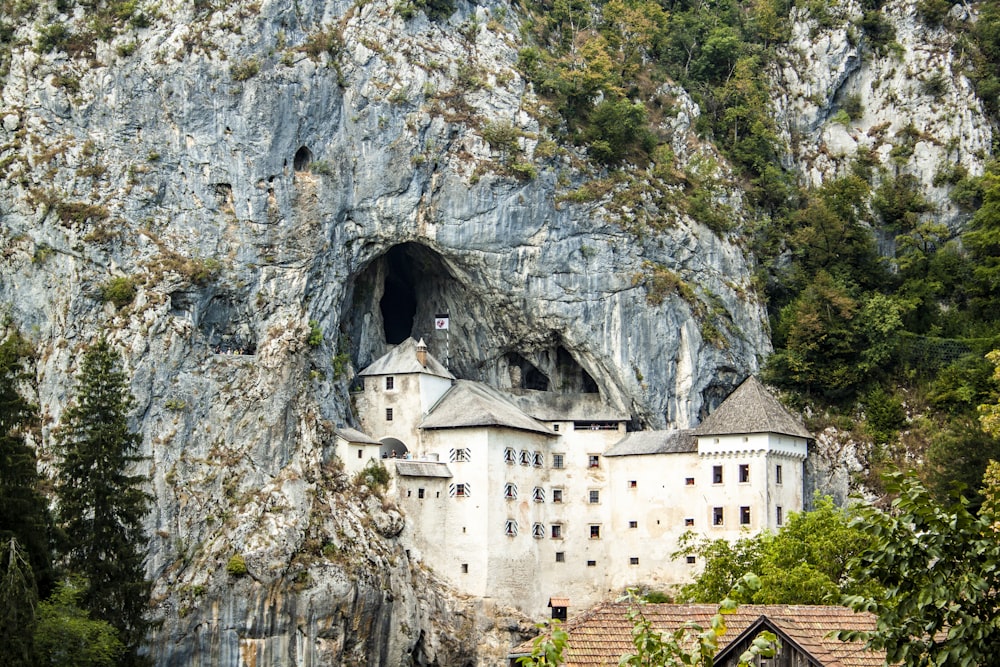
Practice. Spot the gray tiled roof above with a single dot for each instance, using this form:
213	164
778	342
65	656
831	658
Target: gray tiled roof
469	404
654	442
550	406
402	359
751	408
422	468
354	435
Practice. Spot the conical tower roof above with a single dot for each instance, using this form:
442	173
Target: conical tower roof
751	408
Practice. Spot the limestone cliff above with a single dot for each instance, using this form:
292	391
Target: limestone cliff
290	187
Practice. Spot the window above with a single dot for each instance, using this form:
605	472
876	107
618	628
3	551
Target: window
390	382
536	459
360	454
634	560
594	461
509	456
632	484
557	531
591	563
538	494
633	524
420	493
557	495
555	427
557	460
689	521
510	491
510	528
525	457
717	516
537	531
716	474
560	556
777	474
459	455
388	414
744	473
744	516
595	497
779	517
689	481
595	532
690	560
459	490
465	568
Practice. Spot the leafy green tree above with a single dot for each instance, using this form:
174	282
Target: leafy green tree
66	636
983	242
18	599
805	562
939	565
101	504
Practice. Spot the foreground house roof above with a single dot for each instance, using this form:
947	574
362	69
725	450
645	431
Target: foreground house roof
472	404
354	435
751	408
402	359
600	636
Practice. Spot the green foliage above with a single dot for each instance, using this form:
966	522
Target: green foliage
375	476
853	107
67	636
315	338
806	562
18	598
245	69
661	283
933	12
101	504
51	37
236	566
983	242
899	203
884	415
74	212
940	567
548	648
120	291
327	40
989	413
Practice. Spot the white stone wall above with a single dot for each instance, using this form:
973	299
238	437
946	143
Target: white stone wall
348	452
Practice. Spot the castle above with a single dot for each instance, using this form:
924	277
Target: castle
542	500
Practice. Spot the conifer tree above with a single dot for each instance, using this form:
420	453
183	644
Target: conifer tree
102	505
25	554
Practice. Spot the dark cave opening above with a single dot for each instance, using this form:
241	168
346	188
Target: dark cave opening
572	375
399	297
303	157
525	375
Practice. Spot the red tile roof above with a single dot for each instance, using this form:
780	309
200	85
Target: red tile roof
600	636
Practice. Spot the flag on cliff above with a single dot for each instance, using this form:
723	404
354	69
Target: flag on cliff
441	322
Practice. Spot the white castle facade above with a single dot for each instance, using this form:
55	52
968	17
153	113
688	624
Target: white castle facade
539	500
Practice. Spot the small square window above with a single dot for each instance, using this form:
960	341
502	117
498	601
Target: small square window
632	484
634	560
777	474
690	560
557	460
594	461
465	568
510	528
420	493
744	473
718	517
555	427
744	516
538	494
538	531
460	490
509	456
716	474
594	497
360	453
689	481
525	457
536	459
409	493
557	495
510	491
591	563
390	382
560	556
633	524
595	532
689	521
388	414
780	518
557	531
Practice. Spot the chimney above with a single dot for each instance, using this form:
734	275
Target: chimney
422	353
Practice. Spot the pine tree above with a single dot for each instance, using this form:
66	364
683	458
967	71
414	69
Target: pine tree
101	505
25	554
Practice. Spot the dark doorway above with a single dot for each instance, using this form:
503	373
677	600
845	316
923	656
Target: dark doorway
399	299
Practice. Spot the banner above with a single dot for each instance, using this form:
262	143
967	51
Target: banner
441	322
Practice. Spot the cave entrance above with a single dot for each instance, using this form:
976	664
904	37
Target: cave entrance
524	374
399	297
303	158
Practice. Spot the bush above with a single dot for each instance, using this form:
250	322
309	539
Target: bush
237	565
120	291
315	338
244	70
374	475
852	105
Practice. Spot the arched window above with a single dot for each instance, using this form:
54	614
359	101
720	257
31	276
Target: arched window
509	456
510	491
538	531
510	528
538	495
